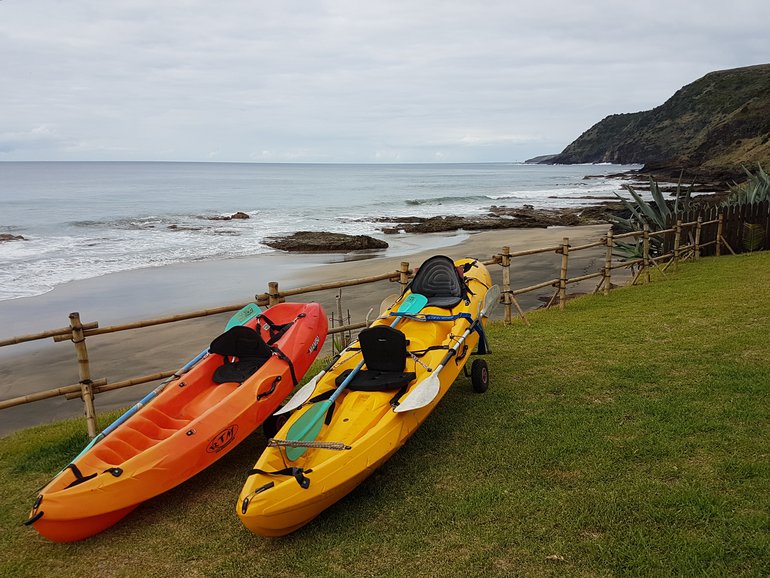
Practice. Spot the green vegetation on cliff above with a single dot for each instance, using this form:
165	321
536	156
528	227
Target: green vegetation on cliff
709	127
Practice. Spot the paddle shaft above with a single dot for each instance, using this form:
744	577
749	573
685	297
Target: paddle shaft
488	304
308	429
425	391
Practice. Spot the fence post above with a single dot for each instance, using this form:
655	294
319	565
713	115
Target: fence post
403	275
677	242
720	227
608	263
563	273
84	371
697	237
343	339
505	263
273	297
646	253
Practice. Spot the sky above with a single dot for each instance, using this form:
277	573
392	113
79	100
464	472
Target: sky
347	81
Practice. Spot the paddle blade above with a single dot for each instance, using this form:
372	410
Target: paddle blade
491	300
243	316
387	303
306	428
302	395
422	394
413	303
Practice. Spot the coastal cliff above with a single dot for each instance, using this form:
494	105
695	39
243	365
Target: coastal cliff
709	128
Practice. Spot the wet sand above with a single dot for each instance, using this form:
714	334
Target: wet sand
147	293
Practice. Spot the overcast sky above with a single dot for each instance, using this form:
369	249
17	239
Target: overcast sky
347	80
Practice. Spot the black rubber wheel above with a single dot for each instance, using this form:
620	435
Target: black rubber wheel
479	375
273	424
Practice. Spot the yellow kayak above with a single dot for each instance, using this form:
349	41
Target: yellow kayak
365	406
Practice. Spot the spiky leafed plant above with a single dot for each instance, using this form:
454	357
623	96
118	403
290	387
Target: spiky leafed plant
656	215
755	189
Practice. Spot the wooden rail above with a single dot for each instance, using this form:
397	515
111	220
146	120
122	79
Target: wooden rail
674	252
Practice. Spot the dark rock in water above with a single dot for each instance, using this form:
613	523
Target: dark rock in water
444	224
324	242
9	237
400	220
238	215
180	228
528	216
500	218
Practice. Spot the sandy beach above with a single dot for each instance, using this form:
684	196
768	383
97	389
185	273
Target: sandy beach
147	293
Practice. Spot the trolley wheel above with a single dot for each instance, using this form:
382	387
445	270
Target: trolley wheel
272	425
479	375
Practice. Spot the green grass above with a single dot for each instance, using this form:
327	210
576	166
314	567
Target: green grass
628	435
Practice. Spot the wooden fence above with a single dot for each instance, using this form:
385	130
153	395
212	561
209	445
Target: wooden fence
744	227
684	240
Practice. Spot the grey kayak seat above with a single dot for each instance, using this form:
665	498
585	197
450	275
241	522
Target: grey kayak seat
440	281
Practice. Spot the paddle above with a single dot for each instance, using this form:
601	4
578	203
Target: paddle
246	314
306	391
308	425
426	391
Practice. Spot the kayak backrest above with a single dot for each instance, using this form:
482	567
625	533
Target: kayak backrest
440	281
244	351
383	348
384	351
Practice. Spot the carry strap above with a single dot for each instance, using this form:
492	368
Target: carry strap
297	473
281	355
79	477
276	330
421	352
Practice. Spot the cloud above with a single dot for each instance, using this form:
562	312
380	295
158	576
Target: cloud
349	81
38	139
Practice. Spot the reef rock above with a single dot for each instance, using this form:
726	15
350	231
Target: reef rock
324	242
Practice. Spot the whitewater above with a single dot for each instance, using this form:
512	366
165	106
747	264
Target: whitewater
87	219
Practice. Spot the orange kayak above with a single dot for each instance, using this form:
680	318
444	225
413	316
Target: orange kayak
196	419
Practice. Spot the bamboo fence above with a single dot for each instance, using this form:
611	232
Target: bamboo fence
685	240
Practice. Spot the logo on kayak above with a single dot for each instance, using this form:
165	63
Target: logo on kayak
246	313
222	439
314	345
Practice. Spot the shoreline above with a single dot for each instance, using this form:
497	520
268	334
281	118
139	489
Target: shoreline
119	297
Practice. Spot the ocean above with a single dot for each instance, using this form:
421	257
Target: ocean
83	220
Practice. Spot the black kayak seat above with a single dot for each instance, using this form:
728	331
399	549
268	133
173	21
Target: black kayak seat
246	346
440	281
384	351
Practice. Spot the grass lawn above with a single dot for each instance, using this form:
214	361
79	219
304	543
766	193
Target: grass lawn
628	435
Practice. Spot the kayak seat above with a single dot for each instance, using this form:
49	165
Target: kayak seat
244	352
384	351
440	281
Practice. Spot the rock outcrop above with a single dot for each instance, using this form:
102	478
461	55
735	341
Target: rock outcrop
324	242
238	215
504	218
9	237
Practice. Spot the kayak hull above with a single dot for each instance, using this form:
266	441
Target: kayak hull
190	425
275	504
